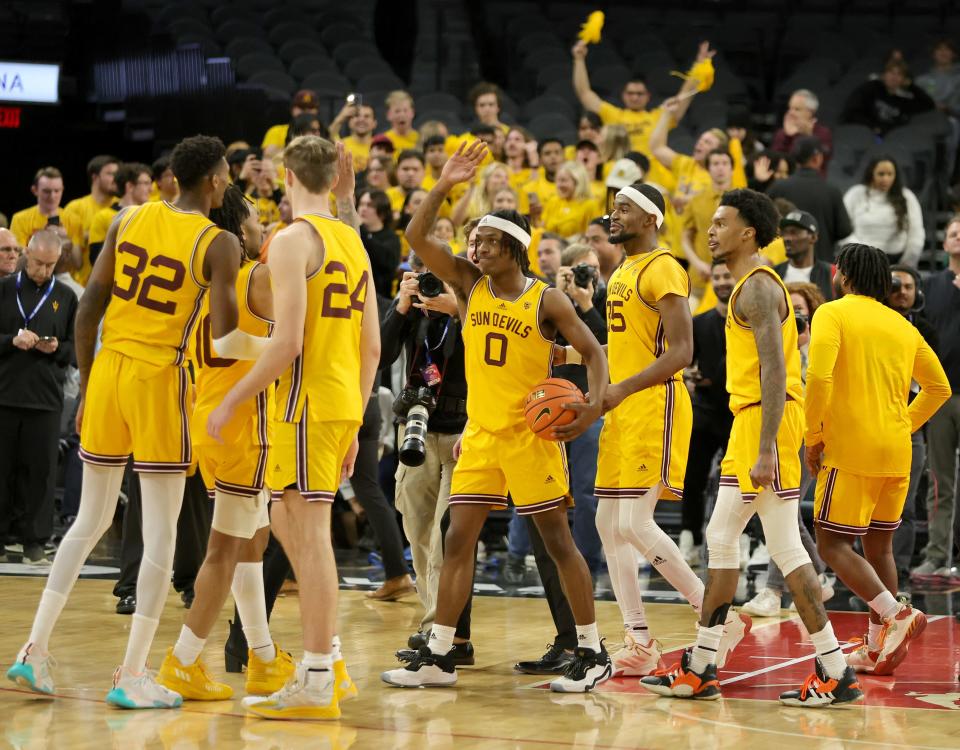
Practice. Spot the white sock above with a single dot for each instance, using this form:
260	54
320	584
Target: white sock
337	652
828	650
51	605
317	661
188	646
588	637
639	633
873	635
441	639
705	652
885	605
247	588
142	630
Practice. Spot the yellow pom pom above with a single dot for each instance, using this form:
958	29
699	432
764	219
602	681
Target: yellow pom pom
701	72
590	31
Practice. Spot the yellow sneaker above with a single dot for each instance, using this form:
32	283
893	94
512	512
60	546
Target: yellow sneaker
342	684
267	677
193	682
306	696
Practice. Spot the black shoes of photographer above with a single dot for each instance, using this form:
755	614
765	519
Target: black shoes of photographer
127	605
514	570
460	656
555	661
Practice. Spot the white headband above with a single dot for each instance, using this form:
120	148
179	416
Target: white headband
643	201
495	222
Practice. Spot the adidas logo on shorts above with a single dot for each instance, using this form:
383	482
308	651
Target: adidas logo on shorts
549	479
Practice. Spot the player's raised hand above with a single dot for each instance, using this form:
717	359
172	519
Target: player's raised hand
704	52
346	178
587	414
462	166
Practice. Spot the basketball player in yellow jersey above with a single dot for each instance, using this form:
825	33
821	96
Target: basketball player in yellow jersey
646	432
509	323
148	285
325	350
863	356
761	470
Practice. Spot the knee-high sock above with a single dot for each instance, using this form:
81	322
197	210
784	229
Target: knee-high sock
248	594
98	501
621	563
162	498
639	528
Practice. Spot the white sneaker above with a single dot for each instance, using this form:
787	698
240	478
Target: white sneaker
426	669
735	629
308	695
140	691
744	551
826	590
635	659
689	550
764	604
33	670
760	557
587	670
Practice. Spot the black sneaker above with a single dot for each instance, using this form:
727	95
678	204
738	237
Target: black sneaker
555	661
418	640
515	571
461	655
127	605
426	669
820	691
187	597
588	669
679	681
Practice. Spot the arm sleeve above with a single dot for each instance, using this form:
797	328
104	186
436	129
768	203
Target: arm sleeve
915	230
824	348
934	386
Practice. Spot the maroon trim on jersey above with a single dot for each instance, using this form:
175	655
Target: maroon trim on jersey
667	426
296	382
159	467
619	493
529	510
884	525
302	465
828	486
262	437
189	326
318	496
237	489
186	448
477	499
843	528
98	459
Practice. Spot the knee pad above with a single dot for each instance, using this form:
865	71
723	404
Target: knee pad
723	544
238	516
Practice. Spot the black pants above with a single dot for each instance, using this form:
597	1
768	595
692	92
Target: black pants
28	468
707	439
550	578
193	530
365	481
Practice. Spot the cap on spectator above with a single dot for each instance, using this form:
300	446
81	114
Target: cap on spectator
625	172
585	143
799	219
383	141
306	99
805	148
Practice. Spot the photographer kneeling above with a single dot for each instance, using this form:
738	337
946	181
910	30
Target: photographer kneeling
432	411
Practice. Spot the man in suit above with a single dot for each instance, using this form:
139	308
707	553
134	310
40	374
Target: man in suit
799	231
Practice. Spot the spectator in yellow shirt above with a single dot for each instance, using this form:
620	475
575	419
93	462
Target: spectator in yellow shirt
477	201
435	154
400	114
102	171
569	211
304	101
588	154
165	187
542	186
410	171
520	156
46	214
444	231
589	128
361	121
134	180
485	100
697	218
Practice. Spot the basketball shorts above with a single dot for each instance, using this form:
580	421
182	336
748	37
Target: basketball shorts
238	465
491	464
307	456
645	441
852	503
133	407
744	445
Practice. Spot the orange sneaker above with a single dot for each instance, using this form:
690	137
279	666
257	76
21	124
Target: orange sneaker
863	659
679	681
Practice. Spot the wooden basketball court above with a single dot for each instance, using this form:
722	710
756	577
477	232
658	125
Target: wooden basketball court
492	706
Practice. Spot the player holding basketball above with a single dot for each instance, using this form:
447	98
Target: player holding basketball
234	472
761	470
863	356
510	321
324	307
148	285
646	434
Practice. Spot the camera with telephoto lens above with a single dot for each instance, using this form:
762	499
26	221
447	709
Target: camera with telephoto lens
583	274
429	285
415	405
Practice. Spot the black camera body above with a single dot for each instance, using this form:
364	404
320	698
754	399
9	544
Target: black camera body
429	285
583	274
415	405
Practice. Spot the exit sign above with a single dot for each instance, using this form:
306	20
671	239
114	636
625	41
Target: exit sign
9	117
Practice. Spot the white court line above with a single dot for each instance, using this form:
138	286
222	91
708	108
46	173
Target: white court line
791	662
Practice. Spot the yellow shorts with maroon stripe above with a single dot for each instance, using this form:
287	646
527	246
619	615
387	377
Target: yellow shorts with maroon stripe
852	503
238	465
645	441
308	455
743	448
135	407
533	471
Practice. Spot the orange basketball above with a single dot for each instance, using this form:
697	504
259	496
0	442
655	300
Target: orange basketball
544	410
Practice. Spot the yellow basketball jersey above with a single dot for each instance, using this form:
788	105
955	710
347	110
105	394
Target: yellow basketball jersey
328	368
635	336
217	375
506	355
743	361
158	286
